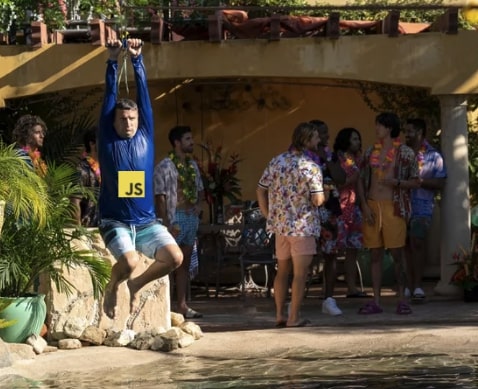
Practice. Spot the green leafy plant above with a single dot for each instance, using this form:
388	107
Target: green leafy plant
29	250
23	193
220	180
4	303
466	263
7	15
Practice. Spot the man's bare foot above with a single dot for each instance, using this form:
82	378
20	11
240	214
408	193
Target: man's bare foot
134	300
109	301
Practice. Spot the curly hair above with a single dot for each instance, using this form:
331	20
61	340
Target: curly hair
303	134
24	128
342	140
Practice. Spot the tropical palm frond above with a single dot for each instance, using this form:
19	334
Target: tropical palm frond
28	250
24	192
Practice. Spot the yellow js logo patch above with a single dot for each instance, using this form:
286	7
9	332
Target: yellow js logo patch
131	184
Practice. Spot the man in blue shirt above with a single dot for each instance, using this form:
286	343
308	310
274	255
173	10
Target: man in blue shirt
126	204
432	175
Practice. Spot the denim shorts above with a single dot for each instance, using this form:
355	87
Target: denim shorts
418	226
121	238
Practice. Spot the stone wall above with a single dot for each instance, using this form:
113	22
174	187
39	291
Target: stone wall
81	310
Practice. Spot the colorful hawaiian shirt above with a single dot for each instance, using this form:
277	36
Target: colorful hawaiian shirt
166	183
290	179
405	168
88	207
431	165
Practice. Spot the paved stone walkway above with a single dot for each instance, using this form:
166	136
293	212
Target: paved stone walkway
245	328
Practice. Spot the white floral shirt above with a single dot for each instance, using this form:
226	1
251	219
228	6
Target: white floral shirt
290	179
166	183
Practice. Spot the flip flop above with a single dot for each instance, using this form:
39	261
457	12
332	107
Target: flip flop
281	324
370	308
302	323
357	295
192	314
403	308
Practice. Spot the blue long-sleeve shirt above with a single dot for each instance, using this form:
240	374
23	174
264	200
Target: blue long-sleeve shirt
120	154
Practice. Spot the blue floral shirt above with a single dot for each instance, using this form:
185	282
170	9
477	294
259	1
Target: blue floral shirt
423	200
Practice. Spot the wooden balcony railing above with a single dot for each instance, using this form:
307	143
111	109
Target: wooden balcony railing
226	24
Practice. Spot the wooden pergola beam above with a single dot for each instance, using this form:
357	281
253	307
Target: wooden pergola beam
446	23
390	24
332	28
275	28
214	23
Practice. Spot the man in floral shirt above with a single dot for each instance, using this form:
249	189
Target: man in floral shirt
89	176
289	194
432	176
178	188
29	134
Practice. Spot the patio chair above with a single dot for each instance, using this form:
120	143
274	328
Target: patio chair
256	250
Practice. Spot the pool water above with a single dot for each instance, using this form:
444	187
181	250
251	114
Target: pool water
291	369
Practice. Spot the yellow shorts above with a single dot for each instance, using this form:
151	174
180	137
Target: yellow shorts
388	231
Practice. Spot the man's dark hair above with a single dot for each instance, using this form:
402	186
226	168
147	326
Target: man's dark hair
318	123
418	124
342	140
302	134
89	136
176	133
126	105
391	121
24	126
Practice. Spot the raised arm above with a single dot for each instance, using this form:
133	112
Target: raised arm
111	86
143	99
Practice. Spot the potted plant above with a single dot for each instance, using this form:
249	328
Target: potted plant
466	273
30	250
219	180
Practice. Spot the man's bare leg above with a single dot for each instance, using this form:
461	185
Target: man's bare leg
167	259
398	260
120	272
181	278
376	265
281	288
301	265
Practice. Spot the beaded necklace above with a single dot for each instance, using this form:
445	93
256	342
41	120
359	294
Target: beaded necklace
350	161
186	176
381	167
94	165
39	165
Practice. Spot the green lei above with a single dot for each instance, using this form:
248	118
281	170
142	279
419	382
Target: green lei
186	176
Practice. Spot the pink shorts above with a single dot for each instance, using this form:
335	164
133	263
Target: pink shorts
293	246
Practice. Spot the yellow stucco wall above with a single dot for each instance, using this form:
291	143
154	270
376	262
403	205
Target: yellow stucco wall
256	134
427	60
259	134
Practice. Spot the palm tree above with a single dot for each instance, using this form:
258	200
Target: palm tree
23	193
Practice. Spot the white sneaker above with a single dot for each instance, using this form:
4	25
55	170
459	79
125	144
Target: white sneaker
407	293
329	306
418	293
